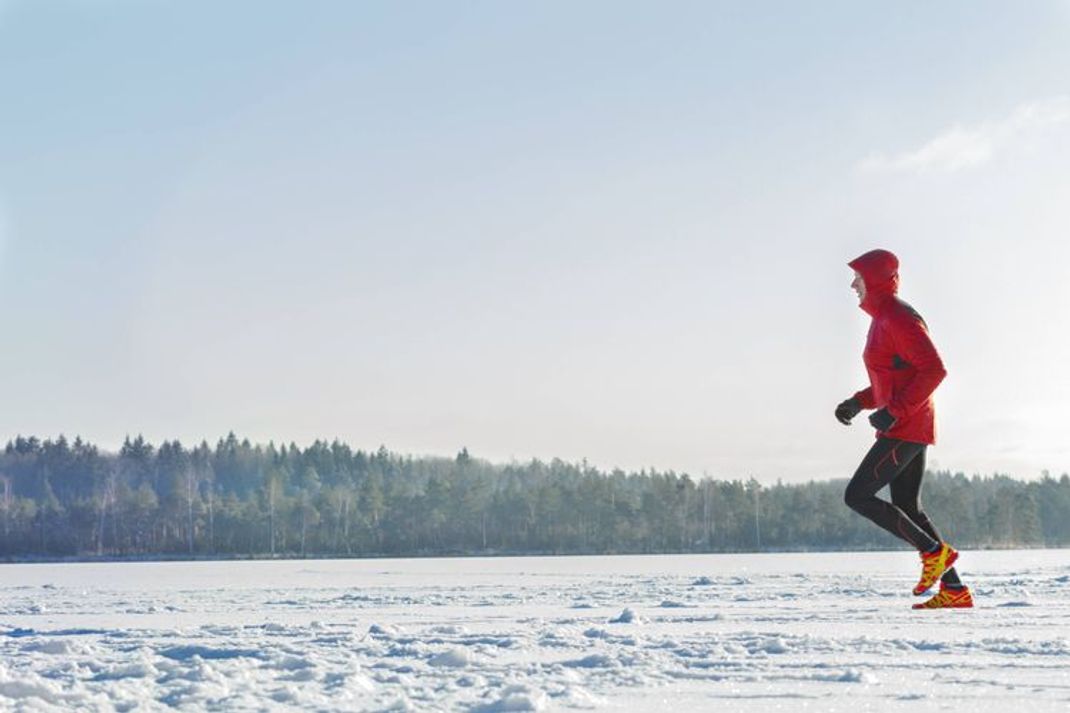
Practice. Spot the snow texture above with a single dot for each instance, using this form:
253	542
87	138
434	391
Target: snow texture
673	633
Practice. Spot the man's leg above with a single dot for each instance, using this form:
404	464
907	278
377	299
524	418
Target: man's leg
884	461
906	489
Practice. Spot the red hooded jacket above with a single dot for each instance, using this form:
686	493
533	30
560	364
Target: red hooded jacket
904	367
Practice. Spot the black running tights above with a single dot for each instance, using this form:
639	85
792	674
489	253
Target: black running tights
900	464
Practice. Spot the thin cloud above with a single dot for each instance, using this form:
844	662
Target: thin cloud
965	147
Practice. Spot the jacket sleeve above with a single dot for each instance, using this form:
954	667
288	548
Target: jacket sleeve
865	397
912	342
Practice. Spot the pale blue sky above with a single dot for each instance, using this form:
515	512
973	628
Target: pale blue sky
599	229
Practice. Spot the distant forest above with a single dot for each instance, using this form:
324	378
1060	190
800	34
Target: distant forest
70	499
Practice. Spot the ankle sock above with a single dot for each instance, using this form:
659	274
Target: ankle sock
951	579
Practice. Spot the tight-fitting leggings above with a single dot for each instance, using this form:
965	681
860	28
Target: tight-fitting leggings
902	465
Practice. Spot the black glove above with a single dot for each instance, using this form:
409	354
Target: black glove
882	420
848	410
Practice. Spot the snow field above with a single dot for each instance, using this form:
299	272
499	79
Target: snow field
712	632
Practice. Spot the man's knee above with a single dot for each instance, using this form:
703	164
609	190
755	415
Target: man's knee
909	506
854	498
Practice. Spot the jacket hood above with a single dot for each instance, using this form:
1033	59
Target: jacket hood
880	271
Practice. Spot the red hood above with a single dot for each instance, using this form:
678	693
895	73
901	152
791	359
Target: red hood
880	271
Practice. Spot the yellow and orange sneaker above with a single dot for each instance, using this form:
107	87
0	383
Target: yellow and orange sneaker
933	565
948	598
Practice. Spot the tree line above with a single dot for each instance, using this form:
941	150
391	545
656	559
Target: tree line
60	498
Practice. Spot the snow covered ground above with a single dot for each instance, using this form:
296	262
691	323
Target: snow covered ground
682	633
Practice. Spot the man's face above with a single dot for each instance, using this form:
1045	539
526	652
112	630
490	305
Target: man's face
859	286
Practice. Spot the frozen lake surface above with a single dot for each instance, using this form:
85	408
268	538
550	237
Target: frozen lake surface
762	632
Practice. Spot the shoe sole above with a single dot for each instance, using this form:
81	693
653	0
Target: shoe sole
951	559
966	605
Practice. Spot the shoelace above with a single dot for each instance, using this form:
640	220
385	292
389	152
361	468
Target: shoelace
930	566
946	596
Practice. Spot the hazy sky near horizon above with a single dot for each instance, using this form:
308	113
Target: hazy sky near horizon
605	230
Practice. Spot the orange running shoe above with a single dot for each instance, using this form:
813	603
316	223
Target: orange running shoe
948	598
933	565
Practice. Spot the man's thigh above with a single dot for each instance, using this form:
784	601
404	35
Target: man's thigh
885	460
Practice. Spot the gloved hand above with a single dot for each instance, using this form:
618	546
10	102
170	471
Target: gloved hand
882	420
848	410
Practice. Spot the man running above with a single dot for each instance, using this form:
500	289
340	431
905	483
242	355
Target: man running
904	369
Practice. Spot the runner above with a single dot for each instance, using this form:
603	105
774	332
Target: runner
904	370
